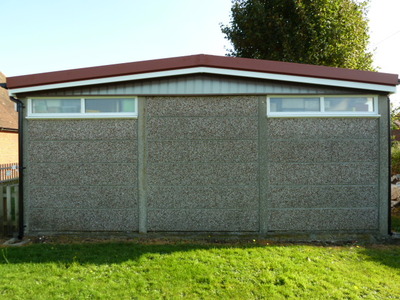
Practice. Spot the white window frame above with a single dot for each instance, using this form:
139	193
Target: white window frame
82	114
322	112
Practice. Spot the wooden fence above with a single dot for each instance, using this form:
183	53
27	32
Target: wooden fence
9	209
8	172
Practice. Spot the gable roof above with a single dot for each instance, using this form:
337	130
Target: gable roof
222	65
8	115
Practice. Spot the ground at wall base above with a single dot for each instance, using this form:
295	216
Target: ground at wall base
209	238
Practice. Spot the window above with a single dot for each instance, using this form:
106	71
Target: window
91	107
56	106
317	106
349	104
294	104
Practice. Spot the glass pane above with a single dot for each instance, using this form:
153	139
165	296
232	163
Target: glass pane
349	104
110	105
55	106
296	104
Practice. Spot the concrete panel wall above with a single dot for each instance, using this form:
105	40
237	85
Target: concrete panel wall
206	163
320	174
202	163
82	175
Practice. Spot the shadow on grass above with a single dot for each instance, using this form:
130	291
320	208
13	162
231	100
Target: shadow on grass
119	252
388	255
91	253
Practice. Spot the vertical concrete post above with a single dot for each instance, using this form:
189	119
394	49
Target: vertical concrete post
263	164
384	107
142	176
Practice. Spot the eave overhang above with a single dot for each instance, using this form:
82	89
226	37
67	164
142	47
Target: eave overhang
206	64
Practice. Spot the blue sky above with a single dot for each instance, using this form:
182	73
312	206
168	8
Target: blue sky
49	35
45	35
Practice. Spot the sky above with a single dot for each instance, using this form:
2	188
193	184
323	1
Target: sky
49	35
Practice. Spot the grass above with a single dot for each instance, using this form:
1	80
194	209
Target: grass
130	270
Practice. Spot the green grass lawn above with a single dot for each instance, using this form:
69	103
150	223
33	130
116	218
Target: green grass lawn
131	270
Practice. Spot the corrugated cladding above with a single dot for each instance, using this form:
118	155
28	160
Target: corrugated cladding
195	85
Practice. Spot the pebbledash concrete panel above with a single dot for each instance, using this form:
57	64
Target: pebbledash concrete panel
202	174
71	129
83	220
329	220
317	196
202	163
196	151
84	197
170	128
203	197
322	174
317	150
82	151
239	220
82	175
206	106
322	128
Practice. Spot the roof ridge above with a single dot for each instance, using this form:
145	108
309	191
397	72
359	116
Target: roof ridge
202	60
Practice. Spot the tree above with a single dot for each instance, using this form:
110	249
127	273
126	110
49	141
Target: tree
395	117
321	32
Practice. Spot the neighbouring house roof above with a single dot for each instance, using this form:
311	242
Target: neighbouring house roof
222	65
8	115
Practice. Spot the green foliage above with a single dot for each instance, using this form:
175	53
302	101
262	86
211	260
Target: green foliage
395	151
395	158
395	116
202	271
321	32
396	223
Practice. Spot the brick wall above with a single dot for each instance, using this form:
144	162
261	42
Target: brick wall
8	147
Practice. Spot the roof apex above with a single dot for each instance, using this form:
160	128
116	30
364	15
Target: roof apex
201	60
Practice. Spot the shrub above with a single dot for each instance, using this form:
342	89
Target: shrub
396	158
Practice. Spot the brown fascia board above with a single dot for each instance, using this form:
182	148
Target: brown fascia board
201	60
